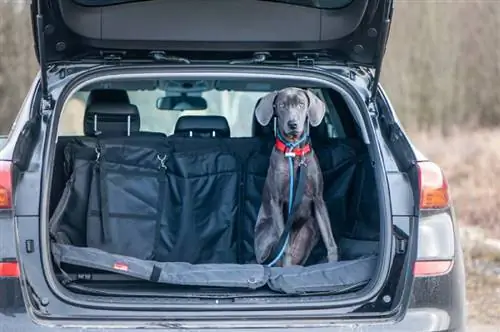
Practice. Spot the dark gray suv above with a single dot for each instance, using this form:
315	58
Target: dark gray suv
126	216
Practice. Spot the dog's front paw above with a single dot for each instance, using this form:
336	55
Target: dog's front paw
333	256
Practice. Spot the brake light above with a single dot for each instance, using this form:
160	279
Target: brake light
9	269
431	268
5	185
436	236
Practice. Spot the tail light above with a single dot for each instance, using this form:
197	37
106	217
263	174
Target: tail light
5	185
436	238
9	268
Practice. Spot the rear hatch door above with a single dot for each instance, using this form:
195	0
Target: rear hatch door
352	31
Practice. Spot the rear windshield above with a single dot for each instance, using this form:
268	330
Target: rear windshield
237	106
321	4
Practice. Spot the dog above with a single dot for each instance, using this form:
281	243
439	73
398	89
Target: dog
293	110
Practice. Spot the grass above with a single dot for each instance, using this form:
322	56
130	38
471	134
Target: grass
483	288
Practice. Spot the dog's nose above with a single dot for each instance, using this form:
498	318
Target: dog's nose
292	125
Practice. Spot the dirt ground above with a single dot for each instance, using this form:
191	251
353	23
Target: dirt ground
471	162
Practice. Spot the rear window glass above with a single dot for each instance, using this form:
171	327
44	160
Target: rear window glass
236	106
321	4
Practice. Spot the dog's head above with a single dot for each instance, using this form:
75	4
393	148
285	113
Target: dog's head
294	109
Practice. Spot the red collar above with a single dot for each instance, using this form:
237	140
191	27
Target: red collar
292	152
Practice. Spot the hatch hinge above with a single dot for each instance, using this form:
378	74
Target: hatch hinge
307	59
382	43
257	57
47	100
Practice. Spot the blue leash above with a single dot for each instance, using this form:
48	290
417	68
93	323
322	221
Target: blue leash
291	146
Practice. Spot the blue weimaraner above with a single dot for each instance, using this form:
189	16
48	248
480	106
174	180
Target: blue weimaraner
293	110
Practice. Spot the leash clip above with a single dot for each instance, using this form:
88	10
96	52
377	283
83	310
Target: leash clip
303	161
290	154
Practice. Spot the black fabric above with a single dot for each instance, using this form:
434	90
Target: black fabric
195	200
69	218
340	160
126	190
202	126
111	118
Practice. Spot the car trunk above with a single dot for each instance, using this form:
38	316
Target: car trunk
178	213
135	218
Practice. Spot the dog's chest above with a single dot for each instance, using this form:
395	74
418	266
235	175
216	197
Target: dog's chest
285	175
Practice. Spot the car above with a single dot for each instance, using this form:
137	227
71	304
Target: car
140	213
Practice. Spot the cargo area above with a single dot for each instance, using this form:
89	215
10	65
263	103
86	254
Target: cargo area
164	202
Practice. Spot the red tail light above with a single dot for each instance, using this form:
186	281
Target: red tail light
431	268
9	269
5	185
436	238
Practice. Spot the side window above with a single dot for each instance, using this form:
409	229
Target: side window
71	120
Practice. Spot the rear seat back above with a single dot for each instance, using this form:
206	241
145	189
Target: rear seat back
61	169
156	199
108	113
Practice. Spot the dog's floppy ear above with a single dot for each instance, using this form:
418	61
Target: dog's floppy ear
316	110
265	108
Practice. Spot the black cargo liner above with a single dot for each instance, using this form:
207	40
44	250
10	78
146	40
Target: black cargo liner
211	234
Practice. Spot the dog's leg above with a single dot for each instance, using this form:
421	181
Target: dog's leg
303	242
277	216
321	214
268	228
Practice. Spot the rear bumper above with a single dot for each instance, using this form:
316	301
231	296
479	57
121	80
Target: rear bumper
436	304
421	320
432	309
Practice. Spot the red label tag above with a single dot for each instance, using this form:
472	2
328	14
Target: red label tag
120	266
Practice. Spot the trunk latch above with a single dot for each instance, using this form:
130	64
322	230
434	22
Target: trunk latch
306	59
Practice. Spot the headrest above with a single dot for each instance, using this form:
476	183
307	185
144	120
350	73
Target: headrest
320	133
203	125
108	96
259	130
111	118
